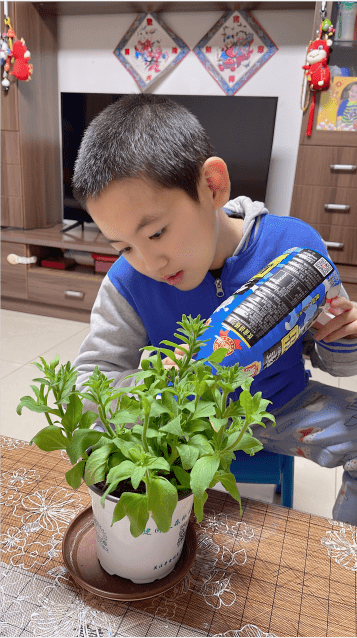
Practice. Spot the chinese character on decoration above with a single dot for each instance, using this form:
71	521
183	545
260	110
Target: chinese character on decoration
149	49
15	56
232	78
236	43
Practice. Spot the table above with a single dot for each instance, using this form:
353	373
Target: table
271	572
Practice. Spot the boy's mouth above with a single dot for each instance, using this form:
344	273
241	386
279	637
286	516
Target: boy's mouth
174	279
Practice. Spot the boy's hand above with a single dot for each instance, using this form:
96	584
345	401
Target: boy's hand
343	326
179	352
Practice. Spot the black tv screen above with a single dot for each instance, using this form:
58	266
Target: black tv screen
240	129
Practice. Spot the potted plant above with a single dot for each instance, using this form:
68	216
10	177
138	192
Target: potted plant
185	433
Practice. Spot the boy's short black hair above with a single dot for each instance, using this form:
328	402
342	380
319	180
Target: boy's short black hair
141	136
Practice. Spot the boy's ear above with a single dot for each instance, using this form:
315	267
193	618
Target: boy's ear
215	175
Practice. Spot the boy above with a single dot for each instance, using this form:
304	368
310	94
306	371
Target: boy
148	177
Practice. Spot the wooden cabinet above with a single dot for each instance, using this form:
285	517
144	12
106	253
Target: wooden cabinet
29	287
13	279
31	194
325	188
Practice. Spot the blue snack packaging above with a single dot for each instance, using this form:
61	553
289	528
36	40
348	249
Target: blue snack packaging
269	313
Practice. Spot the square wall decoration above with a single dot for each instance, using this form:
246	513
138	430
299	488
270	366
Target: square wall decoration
234	49
149	49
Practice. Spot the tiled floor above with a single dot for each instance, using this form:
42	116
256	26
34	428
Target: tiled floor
24	337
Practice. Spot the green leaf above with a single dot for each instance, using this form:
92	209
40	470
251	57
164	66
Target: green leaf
97	465
195	425
54	363
218	355
229	483
80	442
30	403
204	408
248	443
162	501
135	507
50	438
75	474
217	423
73	413
201	442
123	416
87	419
202	473
158	463
120	472
245	399
198	503
188	454
182	476
137	475
173	427
168	400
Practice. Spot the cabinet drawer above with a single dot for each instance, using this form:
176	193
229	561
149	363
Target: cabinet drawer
315	162
346	237
325	205
70	289
13	276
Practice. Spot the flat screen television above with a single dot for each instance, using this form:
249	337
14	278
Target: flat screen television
241	130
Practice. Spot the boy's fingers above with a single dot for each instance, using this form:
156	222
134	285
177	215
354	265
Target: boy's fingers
342	326
181	349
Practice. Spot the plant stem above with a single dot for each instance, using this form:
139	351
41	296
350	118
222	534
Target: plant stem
104	420
232	446
145	427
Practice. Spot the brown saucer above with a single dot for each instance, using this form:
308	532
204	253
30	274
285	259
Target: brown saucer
80	557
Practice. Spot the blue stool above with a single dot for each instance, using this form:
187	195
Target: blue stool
266	467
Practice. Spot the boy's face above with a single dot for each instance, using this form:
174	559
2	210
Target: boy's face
161	232
352	94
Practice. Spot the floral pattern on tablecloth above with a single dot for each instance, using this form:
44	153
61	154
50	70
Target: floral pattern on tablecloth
233	568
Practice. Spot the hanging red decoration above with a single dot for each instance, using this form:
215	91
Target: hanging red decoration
15	56
316	70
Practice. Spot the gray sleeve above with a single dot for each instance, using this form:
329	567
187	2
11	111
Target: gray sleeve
338	358
114	341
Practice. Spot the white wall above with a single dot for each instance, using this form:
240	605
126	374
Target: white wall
87	64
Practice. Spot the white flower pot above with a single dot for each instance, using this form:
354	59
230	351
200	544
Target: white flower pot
144	559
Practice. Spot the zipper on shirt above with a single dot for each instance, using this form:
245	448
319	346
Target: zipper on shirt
219	288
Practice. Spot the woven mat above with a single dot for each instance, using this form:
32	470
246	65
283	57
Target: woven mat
270	572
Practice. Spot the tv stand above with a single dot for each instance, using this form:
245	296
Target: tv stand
29	287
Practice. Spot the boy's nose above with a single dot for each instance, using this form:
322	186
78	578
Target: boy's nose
153	262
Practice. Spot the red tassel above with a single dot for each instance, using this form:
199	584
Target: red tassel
311	115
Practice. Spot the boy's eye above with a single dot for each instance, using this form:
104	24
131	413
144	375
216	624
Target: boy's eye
124	250
158	234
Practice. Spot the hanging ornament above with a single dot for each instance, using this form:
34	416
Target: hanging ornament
15	56
317	73
234	49
150	49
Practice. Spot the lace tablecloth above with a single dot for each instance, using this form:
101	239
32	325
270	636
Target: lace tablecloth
270	572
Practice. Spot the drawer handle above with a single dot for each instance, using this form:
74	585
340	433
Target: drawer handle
74	294
333	244
341	207
16	259
343	167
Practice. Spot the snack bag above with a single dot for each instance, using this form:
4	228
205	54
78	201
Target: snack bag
267	315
